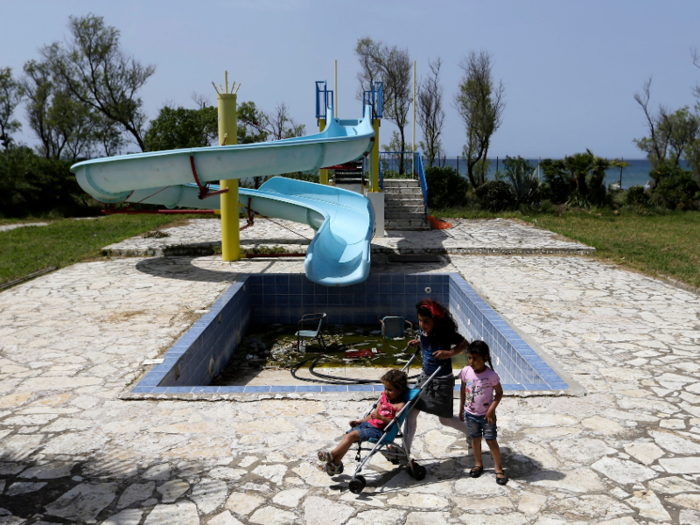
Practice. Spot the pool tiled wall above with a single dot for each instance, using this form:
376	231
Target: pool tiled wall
267	299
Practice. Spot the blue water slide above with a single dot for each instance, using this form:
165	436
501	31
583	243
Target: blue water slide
339	254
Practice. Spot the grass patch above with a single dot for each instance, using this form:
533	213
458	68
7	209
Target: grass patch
64	242
663	243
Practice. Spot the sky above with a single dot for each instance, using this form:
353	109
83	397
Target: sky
570	69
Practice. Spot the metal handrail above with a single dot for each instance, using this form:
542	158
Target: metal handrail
422	179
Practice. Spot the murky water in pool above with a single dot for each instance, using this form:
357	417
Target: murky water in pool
275	348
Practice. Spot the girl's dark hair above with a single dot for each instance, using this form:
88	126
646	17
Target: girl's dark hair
481	349
396	378
444	323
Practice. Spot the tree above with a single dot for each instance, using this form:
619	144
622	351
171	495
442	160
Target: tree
65	127
480	105
252	123
176	128
282	125
92	67
577	180
11	94
393	67
431	116
672	135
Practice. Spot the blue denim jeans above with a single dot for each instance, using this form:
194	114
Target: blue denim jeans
367	431
478	426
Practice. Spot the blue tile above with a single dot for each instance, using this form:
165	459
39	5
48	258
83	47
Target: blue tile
139	389
334	388
309	388
360	388
283	389
205	390
231	390
178	390
256	389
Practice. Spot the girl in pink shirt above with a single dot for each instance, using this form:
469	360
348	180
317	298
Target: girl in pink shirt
479	382
395	383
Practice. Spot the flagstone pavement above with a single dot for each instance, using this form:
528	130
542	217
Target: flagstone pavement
72	451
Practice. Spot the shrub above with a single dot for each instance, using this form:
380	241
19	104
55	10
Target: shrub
520	174
446	187
33	185
496	195
636	196
677	190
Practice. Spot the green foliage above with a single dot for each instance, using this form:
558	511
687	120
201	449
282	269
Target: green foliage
11	93
636	196
480	105
251	123
92	68
32	185
446	187
521	176
496	195
176	128
676	189
577	180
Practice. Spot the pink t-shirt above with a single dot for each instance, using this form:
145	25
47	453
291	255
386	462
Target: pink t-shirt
385	409
479	389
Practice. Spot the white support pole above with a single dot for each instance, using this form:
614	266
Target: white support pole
335	90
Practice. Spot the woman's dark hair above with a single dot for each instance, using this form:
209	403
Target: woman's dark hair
396	378
444	323
482	350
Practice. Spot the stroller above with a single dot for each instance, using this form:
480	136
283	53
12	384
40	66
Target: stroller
398	455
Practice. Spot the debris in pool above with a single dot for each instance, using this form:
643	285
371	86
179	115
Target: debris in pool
375	332
359	353
374	350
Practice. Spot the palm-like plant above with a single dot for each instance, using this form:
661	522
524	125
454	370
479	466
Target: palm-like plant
522	177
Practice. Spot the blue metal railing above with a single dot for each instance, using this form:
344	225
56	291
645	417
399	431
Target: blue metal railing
324	97
375	98
418	163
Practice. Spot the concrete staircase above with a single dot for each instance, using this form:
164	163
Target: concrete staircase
403	201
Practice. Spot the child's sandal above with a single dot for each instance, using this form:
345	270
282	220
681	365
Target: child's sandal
325	456
503	480
332	469
476	471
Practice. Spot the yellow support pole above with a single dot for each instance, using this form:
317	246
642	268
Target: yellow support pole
228	124
375	156
322	174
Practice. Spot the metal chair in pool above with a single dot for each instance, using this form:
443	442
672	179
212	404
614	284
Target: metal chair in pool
394	326
309	327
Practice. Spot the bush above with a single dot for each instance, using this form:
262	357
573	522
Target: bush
636	196
33	185
677	190
496	195
446	187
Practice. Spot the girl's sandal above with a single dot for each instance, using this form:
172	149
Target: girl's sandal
331	468
476	471
503	480
324	456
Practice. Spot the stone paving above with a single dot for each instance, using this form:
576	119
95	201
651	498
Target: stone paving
8	227
202	236
72	451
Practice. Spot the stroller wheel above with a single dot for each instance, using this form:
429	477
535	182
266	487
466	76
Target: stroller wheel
419	472
357	484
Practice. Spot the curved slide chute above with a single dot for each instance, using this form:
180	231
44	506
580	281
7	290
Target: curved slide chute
339	254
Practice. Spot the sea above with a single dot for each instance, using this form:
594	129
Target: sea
636	174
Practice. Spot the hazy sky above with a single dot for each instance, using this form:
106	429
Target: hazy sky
570	69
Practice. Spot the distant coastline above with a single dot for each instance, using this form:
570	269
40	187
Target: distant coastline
636	174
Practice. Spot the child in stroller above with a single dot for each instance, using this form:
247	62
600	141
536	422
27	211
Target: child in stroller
371	427
381	439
